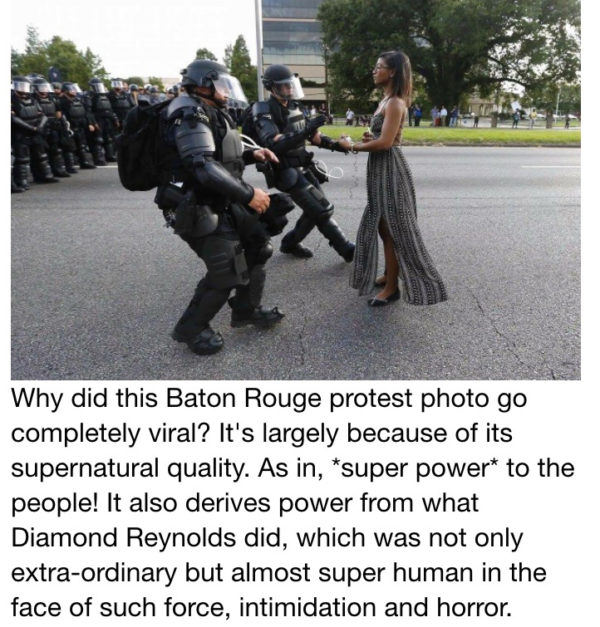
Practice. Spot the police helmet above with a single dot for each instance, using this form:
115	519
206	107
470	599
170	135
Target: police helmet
133	87
71	88
41	86
21	84
116	83
207	73
97	86
280	80
56	86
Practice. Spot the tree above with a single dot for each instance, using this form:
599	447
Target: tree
205	53
457	46
60	53
237	60
135	80
157	82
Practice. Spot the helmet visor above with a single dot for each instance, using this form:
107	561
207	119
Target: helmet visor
99	88
289	88
42	88
116	83
24	86
229	86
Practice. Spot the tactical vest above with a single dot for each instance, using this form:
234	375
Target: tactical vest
48	107
290	119
120	104
76	113
28	110
229	144
101	106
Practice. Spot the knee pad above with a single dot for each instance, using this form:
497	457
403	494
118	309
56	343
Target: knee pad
313	201
286	179
225	262
264	253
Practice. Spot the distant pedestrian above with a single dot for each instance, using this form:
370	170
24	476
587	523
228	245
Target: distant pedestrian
476	121
443	115
435	116
349	117
532	117
454	115
418	115
515	119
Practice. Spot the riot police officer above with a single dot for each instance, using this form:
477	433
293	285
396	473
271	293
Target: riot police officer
216	211
73	108
280	124
105	117
28	127
119	99
43	94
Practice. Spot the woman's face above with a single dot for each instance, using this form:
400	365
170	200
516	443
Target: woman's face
381	72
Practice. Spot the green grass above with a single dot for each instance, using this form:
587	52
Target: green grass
428	136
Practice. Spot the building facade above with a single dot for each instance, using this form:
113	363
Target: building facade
292	36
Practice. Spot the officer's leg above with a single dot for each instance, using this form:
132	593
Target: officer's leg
288	179
40	164
69	158
21	167
97	145
82	149
226	267
245	305
308	195
109	140
55	154
290	243
14	188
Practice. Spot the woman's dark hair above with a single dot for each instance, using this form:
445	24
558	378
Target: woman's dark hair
402	79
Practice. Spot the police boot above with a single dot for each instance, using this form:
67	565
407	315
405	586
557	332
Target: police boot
70	162
85	160
98	154
109	149
22	173
43	172
290	243
245	305
203	307
259	317
207	342
14	188
57	163
337	240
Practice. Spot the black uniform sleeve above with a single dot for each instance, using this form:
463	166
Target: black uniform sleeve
196	147
21	124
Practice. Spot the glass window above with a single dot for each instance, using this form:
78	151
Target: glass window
290	8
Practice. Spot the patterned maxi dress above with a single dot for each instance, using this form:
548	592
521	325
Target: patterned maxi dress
391	196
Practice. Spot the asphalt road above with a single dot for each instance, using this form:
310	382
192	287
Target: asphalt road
97	282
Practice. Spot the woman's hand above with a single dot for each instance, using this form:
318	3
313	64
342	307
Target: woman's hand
367	137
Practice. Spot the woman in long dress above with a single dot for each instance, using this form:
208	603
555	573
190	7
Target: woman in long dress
391	208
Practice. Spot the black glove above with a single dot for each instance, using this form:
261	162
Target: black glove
314	124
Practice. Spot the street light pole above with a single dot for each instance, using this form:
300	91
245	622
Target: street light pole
259	46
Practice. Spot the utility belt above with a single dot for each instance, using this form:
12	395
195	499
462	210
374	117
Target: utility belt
184	213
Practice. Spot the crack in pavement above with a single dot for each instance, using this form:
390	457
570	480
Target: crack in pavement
511	345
